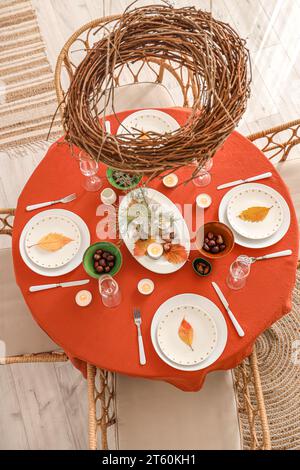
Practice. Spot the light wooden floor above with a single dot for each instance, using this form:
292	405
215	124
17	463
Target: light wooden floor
44	406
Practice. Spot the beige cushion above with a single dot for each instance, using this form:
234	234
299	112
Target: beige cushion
156	415
19	333
139	95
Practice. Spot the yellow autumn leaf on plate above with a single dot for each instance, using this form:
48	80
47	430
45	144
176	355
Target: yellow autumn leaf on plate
53	242
255	214
186	333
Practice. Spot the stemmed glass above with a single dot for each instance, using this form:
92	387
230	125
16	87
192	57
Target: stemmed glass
238	272
89	168
110	291
203	177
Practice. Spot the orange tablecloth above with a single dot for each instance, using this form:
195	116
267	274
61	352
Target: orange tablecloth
107	337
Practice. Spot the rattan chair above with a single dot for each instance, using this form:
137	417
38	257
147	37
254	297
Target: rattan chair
149	70
6	228
277	144
101	383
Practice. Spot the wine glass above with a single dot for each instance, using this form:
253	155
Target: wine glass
110	291
89	168
203	177
238	272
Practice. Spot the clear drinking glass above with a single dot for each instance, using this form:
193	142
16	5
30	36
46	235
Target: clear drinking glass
238	272
89	168
110	291
203	178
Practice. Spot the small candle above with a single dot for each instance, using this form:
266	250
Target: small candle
108	196
146	286
155	250
83	298
170	181
203	201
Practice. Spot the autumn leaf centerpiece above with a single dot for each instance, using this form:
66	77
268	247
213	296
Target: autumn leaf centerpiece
152	228
173	252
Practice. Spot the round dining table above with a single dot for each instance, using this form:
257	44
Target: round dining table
107	337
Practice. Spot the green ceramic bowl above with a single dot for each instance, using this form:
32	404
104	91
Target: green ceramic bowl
88	258
109	176
204	261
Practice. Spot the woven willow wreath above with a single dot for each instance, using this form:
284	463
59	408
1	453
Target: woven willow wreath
215	59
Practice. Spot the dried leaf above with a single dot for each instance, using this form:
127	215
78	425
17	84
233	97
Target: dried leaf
144	135
177	254
53	242
140	246
186	333
255	214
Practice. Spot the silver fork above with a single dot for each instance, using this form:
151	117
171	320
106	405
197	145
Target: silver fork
138	322
64	200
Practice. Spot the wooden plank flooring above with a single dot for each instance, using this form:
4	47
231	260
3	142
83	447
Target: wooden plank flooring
44	406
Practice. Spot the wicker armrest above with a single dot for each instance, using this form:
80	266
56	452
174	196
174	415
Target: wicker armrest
6	225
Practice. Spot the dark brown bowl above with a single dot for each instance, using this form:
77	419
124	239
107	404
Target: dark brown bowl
217	228
196	261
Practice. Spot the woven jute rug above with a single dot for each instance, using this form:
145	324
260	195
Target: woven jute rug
278	352
27	95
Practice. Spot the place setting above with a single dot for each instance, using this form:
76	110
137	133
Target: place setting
52	243
257	214
189	332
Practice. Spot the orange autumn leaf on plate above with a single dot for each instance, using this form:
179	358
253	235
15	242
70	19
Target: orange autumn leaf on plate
140	247
177	254
186	333
53	242
255	214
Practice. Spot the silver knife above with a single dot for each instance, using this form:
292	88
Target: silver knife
247	180
236	324
61	284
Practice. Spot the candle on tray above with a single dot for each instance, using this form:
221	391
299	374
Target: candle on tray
155	250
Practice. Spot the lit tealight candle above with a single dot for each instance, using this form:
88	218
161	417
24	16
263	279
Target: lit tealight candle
203	201
146	286
155	250
108	196
83	298
170	181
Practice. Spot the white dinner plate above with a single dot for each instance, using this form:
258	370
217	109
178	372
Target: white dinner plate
203	304
58	226
161	265
148	120
71	265
265	242
244	200
204	335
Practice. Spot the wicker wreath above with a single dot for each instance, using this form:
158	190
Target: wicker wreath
211	52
